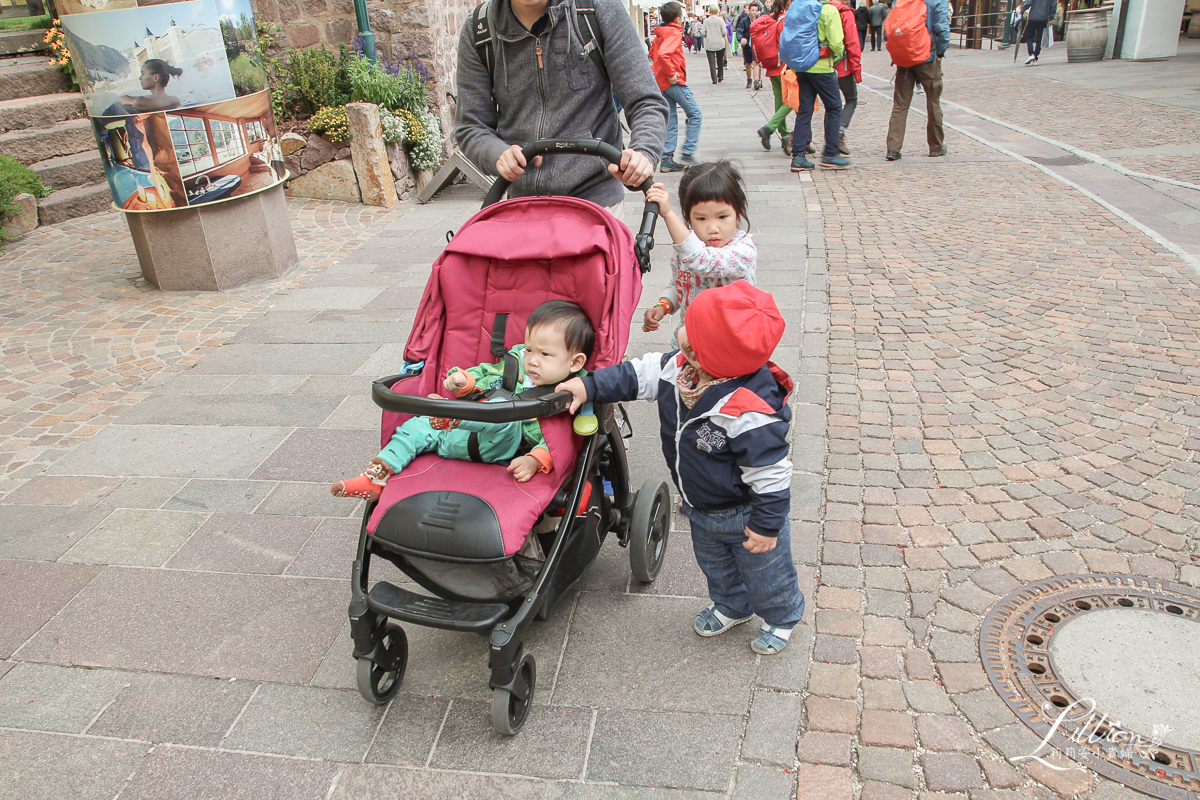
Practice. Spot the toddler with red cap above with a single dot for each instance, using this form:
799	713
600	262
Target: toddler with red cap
724	415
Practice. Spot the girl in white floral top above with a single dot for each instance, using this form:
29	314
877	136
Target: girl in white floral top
710	248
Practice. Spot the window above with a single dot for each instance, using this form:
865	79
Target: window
228	139
255	131
201	144
192	149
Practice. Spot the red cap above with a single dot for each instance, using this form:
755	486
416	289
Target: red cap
733	329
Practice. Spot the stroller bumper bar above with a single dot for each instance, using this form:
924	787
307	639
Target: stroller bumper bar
384	598
495	411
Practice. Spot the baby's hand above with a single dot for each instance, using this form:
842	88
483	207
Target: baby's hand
578	391
654	315
455	380
524	467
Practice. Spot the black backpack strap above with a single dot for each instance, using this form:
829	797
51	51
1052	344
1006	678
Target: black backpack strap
589	30
483	36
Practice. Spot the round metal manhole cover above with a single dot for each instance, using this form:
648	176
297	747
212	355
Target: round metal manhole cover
1103	668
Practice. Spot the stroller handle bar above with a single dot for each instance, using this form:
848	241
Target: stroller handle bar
644	240
495	411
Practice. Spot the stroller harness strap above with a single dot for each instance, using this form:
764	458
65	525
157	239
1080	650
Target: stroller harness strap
512	367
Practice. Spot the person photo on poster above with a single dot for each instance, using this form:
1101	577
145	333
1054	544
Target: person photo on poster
147	59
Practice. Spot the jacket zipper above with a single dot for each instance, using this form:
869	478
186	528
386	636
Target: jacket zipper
679	407
537	185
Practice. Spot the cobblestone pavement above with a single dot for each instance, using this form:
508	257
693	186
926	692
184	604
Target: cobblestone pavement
996	382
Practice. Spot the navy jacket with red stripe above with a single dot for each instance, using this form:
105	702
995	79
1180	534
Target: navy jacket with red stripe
730	449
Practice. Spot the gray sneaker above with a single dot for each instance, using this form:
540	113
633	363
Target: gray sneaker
670	165
686	161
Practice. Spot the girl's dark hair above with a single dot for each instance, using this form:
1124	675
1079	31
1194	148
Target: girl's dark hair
717	181
569	318
162	69
670	12
778	7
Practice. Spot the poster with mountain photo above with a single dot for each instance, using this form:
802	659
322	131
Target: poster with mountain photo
155	58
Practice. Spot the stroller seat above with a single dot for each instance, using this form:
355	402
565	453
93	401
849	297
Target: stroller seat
424	510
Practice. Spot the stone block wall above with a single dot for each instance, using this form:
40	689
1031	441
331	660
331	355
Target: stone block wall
427	28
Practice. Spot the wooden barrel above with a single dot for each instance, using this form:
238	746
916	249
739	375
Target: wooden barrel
1087	33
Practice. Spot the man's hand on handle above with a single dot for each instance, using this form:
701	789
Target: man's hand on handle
511	163
634	170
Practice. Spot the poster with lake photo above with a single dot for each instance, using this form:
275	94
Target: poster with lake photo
156	58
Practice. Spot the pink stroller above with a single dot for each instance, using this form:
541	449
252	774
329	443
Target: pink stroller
462	530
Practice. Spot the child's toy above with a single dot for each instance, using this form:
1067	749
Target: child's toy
585	421
461	530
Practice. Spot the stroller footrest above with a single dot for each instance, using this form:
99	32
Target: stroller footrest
434	612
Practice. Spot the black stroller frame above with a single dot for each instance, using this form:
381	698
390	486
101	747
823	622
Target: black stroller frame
640	520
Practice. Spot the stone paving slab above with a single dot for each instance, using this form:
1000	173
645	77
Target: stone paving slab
172	451
249	627
31	593
45	766
174	709
190	774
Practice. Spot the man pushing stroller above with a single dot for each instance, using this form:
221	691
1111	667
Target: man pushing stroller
725	419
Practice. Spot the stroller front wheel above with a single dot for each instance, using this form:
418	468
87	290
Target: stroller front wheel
649	526
379	674
510	704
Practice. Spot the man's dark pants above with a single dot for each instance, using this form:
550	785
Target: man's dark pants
716	64
876	36
1033	36
929	75
825	86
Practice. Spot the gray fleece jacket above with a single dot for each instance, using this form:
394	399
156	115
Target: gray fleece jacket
558	94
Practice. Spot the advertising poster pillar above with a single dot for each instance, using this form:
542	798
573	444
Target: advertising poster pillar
178	101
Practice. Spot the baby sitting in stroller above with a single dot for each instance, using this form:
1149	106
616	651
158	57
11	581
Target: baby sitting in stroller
558	342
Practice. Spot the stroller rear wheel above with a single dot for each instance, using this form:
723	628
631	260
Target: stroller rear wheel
510	704
380	673
649	527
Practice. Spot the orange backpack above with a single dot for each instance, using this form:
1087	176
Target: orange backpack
908	39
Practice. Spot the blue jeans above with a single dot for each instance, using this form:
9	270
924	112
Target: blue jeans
681	95
740	582
825	86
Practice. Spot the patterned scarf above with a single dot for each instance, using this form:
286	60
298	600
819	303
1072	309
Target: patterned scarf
688	382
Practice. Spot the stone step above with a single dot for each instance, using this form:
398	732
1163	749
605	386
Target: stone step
77	201
30	76
76	169
23	113
16	43
60	139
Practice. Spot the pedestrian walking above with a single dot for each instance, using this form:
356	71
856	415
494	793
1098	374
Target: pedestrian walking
715	42
724	418
862	21
849	72
527	102
876	14
697	34
711	249
1038	14
764	37
820	80
743	37
928	73
670	71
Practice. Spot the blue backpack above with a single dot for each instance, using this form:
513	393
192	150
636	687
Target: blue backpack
798	45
